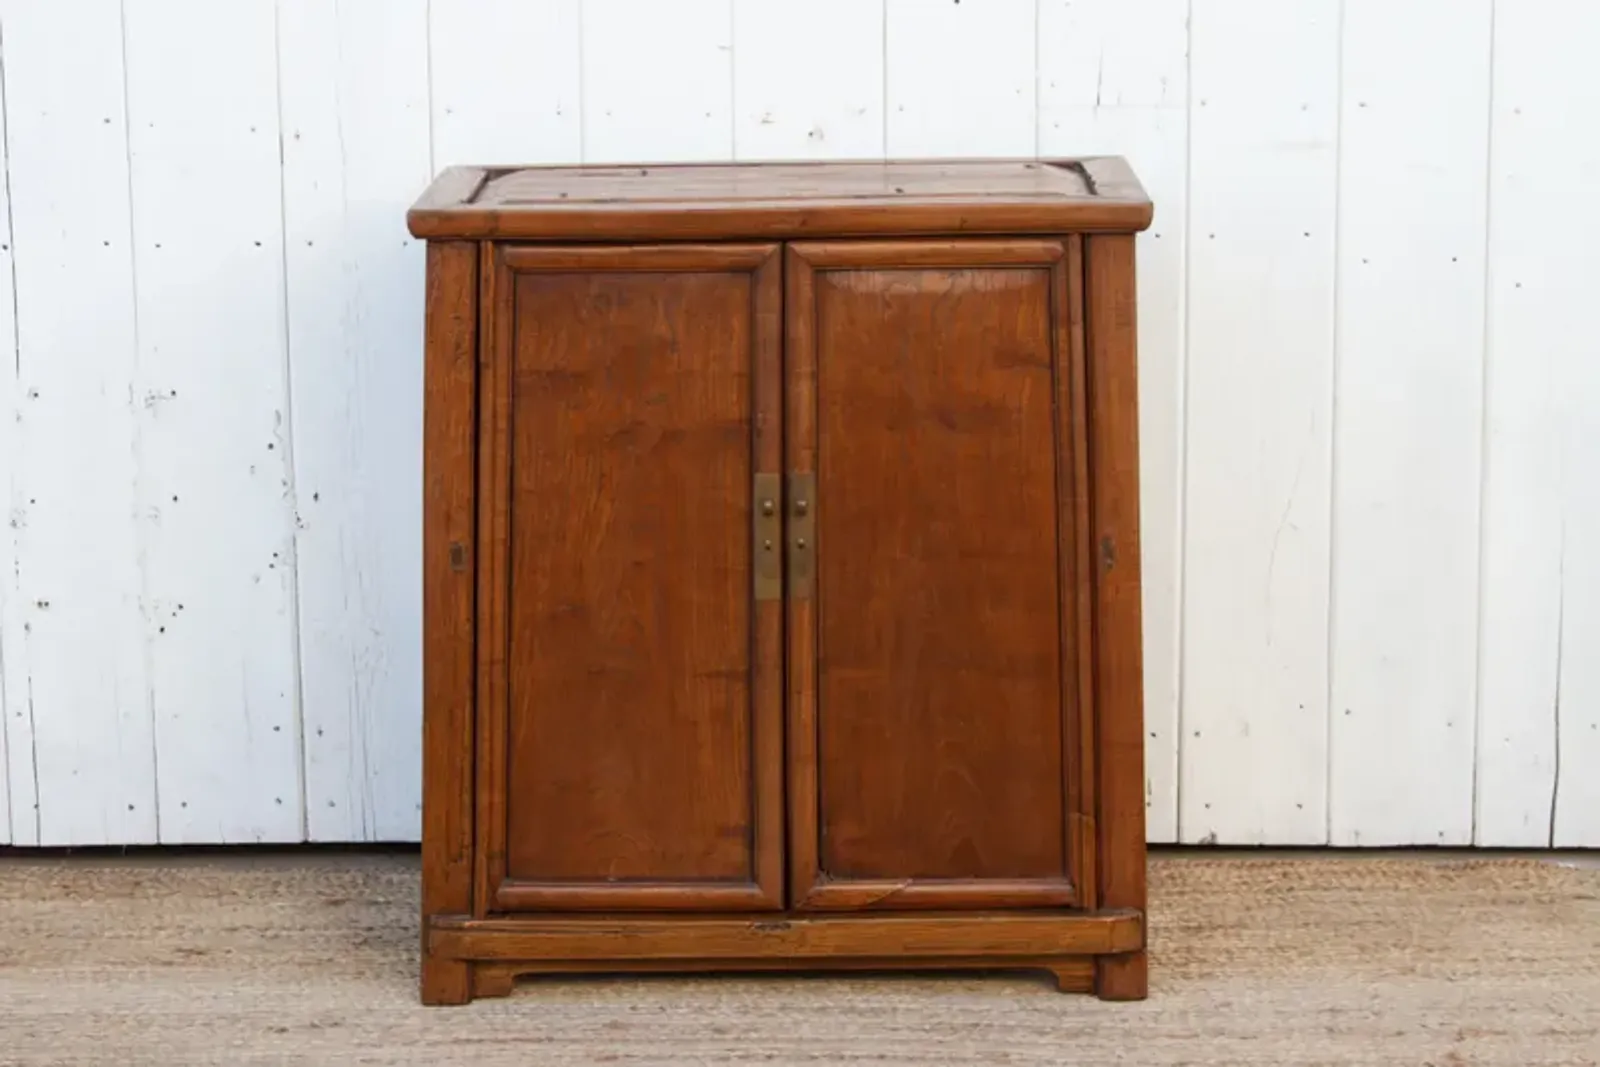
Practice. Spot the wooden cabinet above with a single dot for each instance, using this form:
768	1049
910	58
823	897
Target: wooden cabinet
781	571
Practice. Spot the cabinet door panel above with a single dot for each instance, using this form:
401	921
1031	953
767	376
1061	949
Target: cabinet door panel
935	751
636	694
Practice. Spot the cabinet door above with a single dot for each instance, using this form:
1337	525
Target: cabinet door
630	681
937	752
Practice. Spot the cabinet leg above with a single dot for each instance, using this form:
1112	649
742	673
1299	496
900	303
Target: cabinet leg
446	981
1121	977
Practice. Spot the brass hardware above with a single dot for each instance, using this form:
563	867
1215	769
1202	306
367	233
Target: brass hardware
768	531
802	534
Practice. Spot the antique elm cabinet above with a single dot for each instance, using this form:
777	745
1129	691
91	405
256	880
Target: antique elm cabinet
781	570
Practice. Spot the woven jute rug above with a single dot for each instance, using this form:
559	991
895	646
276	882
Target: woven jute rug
312	959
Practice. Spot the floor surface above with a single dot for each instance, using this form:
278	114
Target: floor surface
1277	959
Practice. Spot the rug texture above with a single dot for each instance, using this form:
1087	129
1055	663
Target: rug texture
312	959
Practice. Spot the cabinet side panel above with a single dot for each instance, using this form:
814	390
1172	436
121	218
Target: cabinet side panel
1118	653
449	432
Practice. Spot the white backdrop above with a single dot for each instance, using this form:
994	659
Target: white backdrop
1371	388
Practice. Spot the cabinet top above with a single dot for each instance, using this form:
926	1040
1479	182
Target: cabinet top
782	200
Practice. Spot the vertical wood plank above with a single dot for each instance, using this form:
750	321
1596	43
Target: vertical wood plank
800	457
1408	420
77	688
767	743
492	577
505	81
1118	672
216	497
1075	534
1539	698
8	454
657	80
355	110
448	566
1576	823
1259	433
784	110
960	78
1113	79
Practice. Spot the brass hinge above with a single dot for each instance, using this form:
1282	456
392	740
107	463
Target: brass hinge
768	532
802	505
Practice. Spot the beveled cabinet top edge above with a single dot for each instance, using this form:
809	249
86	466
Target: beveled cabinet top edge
779	200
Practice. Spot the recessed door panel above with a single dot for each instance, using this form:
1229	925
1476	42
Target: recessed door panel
638	685
934	753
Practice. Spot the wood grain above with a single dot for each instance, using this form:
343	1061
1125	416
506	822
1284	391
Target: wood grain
632	732
942	444
678	257
800	637
1076	588
493	536
739	183
1113	422
1071	974
939	716
767	669
449	478
619	940
698	201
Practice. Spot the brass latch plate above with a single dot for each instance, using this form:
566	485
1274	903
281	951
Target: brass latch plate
802	508
768	532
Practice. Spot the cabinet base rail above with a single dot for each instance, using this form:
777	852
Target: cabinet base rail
483	957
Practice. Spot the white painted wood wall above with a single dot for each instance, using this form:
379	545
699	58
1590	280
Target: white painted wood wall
1371	384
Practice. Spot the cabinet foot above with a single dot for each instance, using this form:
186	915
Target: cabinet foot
446	981
1121	977
1074	975
491	981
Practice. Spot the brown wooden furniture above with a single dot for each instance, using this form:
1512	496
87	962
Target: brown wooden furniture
781	571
